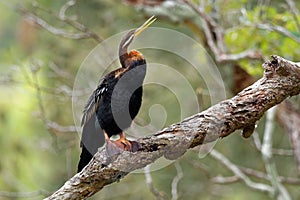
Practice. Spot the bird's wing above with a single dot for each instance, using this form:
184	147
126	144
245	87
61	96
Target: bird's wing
93	103
91	137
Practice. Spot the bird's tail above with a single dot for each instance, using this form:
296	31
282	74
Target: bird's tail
92	138
85	158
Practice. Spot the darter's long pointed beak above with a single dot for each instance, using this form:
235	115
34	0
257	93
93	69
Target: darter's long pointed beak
144	26
137	31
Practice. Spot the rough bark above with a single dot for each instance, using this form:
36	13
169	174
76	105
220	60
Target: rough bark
281	80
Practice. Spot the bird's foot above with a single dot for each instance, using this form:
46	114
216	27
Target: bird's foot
117	147
127	145
112	149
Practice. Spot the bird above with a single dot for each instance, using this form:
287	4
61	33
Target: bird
114	103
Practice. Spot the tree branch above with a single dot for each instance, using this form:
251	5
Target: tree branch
158	194
280	30
289	118
216	42
176	180
84	31
280	191
239	174
281	80
295	12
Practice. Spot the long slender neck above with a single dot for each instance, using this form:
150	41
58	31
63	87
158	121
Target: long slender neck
123	47
123	56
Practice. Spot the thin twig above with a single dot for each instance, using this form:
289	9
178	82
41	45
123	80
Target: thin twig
210	26
35	81
85	32
266	151
280	30
201	11
259	174
217	45
295	12
225	180
248	54
176	180
207	22
71	20
288	116
256	174
24	194
279	152
233	168
283	152
159	195
61	129
256	140
64	8
50	28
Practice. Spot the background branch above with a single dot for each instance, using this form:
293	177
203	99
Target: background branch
158	194
279	190
24	194
238	174
83	33
176	180
290	120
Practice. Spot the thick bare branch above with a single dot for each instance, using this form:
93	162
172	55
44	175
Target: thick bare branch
280	81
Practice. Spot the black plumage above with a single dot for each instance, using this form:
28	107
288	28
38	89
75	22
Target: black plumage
115	103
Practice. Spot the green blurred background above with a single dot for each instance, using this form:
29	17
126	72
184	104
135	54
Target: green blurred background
38	142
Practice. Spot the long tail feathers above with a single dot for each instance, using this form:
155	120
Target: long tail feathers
85	158
92	138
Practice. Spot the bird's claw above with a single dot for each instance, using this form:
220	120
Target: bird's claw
127	145
118	146
112	149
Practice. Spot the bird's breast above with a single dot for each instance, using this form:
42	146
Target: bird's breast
121	102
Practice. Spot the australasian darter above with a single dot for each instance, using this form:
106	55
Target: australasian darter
115	103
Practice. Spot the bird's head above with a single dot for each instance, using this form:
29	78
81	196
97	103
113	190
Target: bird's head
128	38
